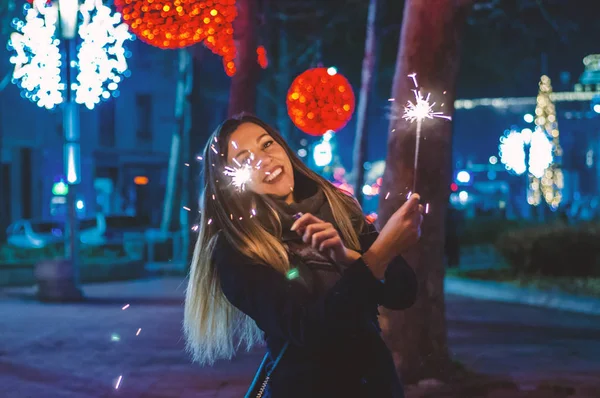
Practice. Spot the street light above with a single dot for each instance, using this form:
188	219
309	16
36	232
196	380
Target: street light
92	73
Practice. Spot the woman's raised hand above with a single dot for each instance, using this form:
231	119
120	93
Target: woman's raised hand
399	234
325	238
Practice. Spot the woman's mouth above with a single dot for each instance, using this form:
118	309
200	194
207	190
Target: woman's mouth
273	175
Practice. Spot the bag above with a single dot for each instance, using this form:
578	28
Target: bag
263	373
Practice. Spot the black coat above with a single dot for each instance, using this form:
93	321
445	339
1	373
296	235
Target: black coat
335	345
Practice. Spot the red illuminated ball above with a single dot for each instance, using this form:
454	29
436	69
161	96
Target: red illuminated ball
171	24
320	99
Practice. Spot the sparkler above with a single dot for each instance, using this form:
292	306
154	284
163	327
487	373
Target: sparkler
418	111
240	176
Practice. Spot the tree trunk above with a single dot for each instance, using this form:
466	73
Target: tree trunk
360	138
430	46
242	96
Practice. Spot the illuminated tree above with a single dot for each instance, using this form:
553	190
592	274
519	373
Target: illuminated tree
549	185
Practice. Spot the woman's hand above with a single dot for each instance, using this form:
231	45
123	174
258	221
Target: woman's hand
325	238
399	234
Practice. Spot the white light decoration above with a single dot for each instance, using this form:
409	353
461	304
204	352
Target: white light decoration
512	152
540	153
463	177
322	154
101	54
37	60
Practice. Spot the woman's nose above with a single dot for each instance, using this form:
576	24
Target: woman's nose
263	161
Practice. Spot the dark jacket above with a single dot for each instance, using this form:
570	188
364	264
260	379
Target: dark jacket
335	345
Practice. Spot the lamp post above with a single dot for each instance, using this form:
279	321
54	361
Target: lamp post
68	18
92	73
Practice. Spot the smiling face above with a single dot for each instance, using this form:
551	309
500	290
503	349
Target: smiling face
272	172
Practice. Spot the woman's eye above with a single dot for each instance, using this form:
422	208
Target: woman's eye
267	144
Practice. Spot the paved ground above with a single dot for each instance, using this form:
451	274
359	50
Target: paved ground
69	351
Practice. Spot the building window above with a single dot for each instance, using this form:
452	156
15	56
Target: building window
107	135
143	104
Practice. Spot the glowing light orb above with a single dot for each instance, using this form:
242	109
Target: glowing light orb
182	23
100	58
37	60
513	152
318	101
262	58
540	153
463	177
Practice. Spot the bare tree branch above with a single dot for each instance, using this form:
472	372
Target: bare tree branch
551	21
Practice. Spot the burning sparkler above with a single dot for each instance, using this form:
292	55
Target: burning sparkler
418	111
240	176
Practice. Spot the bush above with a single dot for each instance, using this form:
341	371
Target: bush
553	250
12	254
482	231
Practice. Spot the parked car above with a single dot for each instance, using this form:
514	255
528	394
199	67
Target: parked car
33	234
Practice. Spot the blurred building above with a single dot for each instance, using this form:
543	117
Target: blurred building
479	123
125	144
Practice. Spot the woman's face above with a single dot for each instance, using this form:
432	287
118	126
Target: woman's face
272	172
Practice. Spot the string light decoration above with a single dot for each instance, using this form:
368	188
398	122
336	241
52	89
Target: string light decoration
100	59
262	59
37	60
513	155
512	152
172	24
551	182
319	100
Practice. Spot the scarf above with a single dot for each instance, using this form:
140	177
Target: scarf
313	268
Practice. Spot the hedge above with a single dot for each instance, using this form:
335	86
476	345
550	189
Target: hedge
553	250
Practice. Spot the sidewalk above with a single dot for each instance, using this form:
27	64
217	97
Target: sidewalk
70	350
80	350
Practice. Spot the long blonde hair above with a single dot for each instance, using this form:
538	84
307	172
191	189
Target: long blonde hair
211	324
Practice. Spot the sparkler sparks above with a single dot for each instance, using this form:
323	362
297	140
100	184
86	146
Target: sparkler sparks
240	176
418	111
138	332
421	109
118	382
125	307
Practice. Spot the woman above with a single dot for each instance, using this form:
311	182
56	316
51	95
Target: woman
291	259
